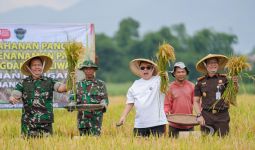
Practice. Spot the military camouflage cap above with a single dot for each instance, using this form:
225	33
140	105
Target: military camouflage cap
88	64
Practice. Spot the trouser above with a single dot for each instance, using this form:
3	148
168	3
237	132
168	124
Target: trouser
146	132
90	126
36	129
96	131
174	132
219	121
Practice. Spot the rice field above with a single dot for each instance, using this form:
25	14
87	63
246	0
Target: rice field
242	132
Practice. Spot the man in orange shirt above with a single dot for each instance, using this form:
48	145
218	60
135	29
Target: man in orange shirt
179	98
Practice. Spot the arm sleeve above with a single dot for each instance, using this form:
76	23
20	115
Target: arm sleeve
192	93
18	90
16	94
56	86
104	97
19	87
105	94
79	89
168	102
130	96
197	91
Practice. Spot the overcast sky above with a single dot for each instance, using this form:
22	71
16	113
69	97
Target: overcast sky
230	16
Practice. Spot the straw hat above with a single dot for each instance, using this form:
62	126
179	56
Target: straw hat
44	58
135	68
221	58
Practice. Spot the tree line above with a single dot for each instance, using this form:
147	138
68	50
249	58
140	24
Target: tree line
126	44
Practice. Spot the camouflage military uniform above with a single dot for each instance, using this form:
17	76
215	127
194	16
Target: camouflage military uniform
37	111
91	92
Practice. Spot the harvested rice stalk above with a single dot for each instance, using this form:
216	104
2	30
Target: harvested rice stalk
164	55
74	52
235	65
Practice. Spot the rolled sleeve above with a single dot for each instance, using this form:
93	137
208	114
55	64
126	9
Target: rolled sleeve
56	86
19	87
16	94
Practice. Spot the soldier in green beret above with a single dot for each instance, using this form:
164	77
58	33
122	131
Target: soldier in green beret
36	93
91	91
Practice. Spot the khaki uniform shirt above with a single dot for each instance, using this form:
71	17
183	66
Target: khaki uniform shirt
210	89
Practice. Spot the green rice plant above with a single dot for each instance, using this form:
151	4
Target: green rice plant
164	55
74	52
235	66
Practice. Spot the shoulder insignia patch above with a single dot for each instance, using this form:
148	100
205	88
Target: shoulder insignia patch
223	75
200	78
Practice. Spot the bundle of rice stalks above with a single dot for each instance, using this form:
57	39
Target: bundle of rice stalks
164	55
235	66
74	52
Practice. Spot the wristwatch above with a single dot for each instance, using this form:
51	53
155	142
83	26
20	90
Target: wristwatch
199	115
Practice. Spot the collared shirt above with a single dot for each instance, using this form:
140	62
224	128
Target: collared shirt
207	87
37	97
179	100
90	92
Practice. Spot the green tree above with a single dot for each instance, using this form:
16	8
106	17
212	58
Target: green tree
149	45
106	49
208	41
127	33
183	43
116	52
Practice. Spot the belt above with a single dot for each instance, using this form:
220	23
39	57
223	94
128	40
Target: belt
214	111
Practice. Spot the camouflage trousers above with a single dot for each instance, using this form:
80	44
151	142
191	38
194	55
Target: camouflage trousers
90	126
36	129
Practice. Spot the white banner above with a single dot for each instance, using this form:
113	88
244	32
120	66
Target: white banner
19	42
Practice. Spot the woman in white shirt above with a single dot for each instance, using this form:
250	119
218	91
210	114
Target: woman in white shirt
145	95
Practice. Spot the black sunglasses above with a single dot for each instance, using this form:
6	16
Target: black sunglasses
147	68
